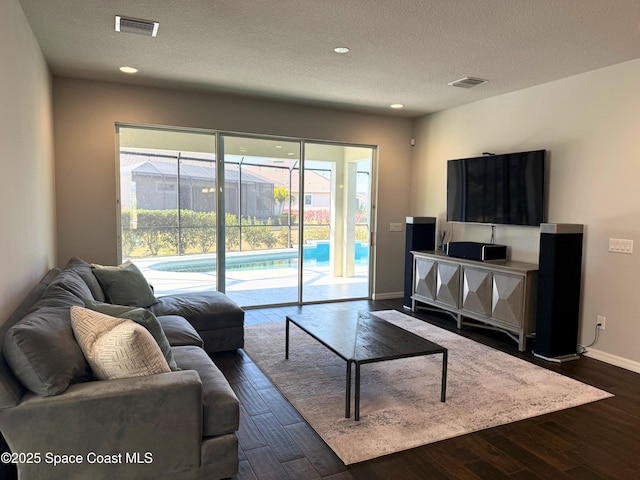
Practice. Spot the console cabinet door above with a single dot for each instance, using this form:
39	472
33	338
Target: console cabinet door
507	299
476	291
424	279
448	284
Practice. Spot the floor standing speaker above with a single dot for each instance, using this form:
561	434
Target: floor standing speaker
420	235
559	279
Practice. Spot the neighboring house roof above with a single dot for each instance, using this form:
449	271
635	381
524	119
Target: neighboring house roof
164	169
314	182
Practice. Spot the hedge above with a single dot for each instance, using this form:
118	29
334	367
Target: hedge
155	233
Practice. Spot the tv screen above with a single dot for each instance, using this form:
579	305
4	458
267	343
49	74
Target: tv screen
503	189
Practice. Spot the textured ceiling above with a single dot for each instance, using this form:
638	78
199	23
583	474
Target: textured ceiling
403	51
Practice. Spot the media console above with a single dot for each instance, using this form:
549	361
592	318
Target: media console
499	295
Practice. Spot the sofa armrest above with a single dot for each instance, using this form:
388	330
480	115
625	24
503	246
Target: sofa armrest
128	428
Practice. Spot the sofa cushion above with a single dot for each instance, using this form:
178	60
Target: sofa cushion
43	353
65	290
116	347
179	332
84	270
124	285
11	390
203	310
142	317
221	409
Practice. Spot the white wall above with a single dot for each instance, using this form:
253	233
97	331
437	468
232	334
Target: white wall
85	114
27	243
590	124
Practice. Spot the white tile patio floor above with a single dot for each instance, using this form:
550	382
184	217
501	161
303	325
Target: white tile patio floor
251	288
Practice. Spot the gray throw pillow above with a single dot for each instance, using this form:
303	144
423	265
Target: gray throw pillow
85	271
141	316
124	285
43	353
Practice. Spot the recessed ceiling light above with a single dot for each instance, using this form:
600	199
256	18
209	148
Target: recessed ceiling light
128	70
396	105
278	146
341	50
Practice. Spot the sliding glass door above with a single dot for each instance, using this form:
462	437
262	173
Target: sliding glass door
168	206
336	222
268	221
261	264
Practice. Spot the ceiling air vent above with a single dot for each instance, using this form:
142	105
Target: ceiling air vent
148	28
468	82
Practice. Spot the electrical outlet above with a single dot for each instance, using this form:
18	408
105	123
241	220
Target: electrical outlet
601	321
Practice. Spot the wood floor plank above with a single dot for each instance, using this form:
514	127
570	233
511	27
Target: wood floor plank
249	398
583	473
340	476
526	474
300	469
541	443
486	470
258	379
605	449
280	406
319	454
245	472
532	461
265	465
281	444
444	461
477	447
249	436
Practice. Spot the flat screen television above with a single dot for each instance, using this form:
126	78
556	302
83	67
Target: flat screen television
505	189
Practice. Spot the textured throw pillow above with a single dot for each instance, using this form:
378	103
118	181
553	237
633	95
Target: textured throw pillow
116	347
124	285
141	316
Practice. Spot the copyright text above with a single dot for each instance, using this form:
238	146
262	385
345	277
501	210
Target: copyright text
55	459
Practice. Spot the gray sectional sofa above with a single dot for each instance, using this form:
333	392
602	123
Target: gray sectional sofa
60	422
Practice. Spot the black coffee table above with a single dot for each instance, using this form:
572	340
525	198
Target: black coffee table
360	338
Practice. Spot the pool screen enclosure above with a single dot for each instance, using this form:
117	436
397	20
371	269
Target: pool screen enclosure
289	218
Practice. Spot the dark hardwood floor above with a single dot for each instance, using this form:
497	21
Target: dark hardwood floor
596	441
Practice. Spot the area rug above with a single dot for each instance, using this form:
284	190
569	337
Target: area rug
400	400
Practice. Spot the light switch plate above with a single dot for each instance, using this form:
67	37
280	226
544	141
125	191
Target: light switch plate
621	245
395	227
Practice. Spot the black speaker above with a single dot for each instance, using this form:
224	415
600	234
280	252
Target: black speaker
558	303
420	235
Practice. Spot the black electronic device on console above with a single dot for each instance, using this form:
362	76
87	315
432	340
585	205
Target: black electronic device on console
477	251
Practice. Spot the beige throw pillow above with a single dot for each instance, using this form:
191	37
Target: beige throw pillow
116	347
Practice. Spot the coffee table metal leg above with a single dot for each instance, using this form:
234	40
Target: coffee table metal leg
356	415
347	403
286	344
443	391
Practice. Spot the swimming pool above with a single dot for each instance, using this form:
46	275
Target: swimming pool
315	255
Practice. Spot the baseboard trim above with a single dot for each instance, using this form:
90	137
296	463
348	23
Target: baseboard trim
387	296
614	360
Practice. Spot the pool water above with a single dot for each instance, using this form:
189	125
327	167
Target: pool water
268	260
